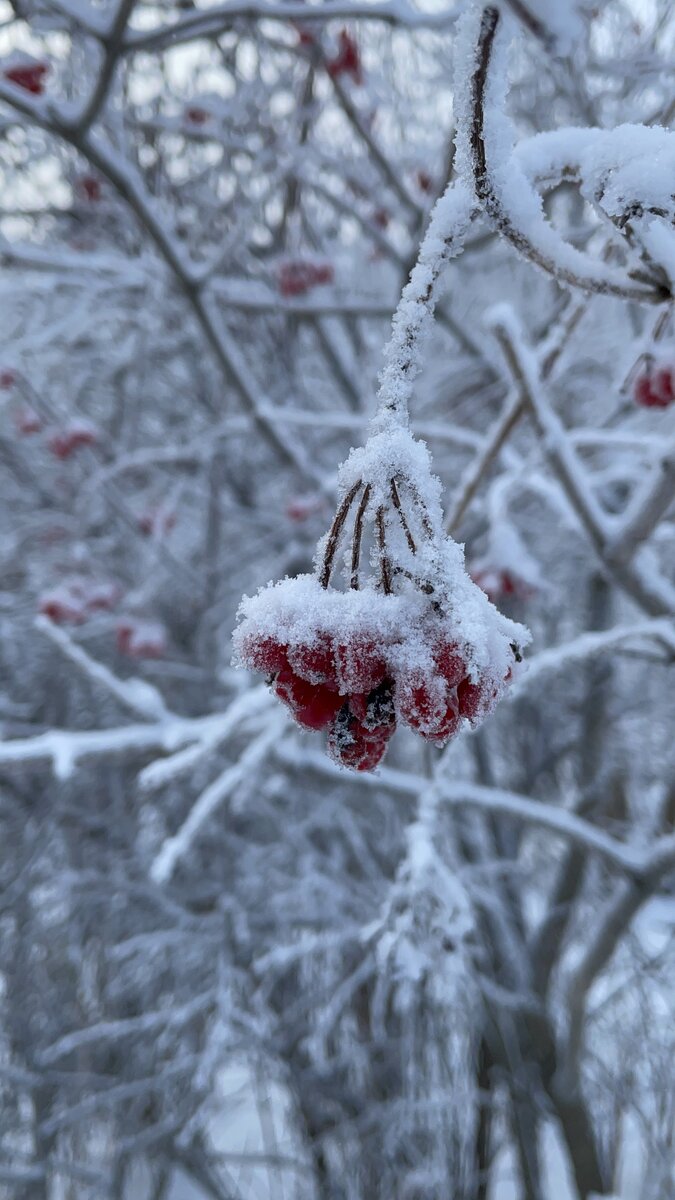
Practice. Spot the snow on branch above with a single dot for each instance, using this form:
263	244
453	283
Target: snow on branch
486	155
175	847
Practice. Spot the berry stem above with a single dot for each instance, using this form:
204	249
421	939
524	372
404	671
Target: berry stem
385	566
358	533
334	534
396	499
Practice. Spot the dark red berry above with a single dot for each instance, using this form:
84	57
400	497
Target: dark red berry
474	699
314	662
313	705
375	710
352	745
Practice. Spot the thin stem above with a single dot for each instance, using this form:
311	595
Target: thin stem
385	566
358	533
396	499
334	534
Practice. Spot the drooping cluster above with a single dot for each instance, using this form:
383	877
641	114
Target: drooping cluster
358	686
654	387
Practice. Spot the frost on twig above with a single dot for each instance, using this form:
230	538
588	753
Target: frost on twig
617	168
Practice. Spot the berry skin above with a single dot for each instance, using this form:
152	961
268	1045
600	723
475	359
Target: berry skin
28	76
447	727
655	389
422	703
449	662
474	700
267	655
314	662
313	705
360	665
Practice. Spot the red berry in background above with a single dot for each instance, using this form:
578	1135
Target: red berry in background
89	187
424	181
195	115
305	36
314	662
347	61
27	74
27	421
381	218
655	387
7	379
352	745
62	607
63	444
360	664
296	277
265	654
313	705
157	522
300	508
141	639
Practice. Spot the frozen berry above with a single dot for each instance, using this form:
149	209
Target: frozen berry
423	703
360	665
450	662
655	389
474	700
265	654
375	710
313	705
314	661
352	745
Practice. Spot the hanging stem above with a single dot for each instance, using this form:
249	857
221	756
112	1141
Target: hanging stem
334	534
396	499
358	533
385	566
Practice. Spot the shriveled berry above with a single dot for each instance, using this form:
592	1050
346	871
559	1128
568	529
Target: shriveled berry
314	661
352	745
375	710
360	665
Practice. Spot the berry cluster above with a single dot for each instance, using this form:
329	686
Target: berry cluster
358	688
347	61
297	276
655	387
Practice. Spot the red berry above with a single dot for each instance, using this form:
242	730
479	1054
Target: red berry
445	728
7	379
314	661
141	639
654	389
360	665
313	705
449	662
28	75
424	181
196	115
347	61
28	421
422	702
474	700
90	188
63	444
663	385
265	654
